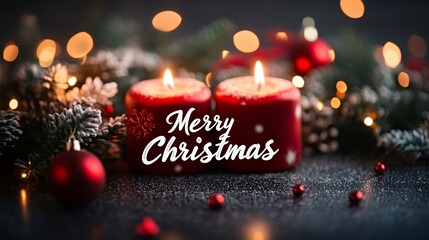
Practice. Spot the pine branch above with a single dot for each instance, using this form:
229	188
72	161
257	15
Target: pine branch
414	143
82	123
108	144
196	52
93	91
9	129
33	168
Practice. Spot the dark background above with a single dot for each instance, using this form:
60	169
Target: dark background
383	20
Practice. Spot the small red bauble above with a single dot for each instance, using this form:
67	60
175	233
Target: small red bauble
298	190
76	177
380	168
216	201
147	227
108	111
355	197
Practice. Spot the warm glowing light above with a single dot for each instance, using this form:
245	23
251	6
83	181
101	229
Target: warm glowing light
368	121
298	81
308	22
335	102
46	56
225	53
257	230
259	75
46	43
24	203
310	34
13	104
72	81
166	21
10	52
320	106
352	8
168	79
209	79
281	36
341	86
403	79
331	53
23	193
80	45
417	46
24	175
246	41
392	54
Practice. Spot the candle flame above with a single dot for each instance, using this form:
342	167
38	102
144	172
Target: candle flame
168	79
259	75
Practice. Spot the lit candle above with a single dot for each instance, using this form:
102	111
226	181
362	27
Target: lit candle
148	103
264	108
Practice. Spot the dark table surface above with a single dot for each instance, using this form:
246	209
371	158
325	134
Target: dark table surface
259	206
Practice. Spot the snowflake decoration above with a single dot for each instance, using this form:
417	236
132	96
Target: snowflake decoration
140	124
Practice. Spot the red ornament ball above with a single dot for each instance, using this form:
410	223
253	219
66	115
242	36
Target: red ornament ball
76	177
216	201
108	111
298	190
355	197
147	227
380	168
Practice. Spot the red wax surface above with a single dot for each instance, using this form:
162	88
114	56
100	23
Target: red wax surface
259	118
161	106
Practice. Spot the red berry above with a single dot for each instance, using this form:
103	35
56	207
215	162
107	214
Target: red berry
147	227
355	197
380	168
216	201
298	190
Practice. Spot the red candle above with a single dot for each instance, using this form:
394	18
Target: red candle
264	108
148	103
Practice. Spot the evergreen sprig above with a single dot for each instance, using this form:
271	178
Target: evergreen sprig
82	123
196	52
9	129
413	143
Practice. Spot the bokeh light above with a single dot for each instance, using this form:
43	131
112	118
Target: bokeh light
225	53
298	81
341	86
72	81
417	46
335	102
166	21
308	22
281	36
80	45
331	53
46	51
246	41
403	79
10	52
368	121
320	106
352	8
392	55
310	34
13	104
44	44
